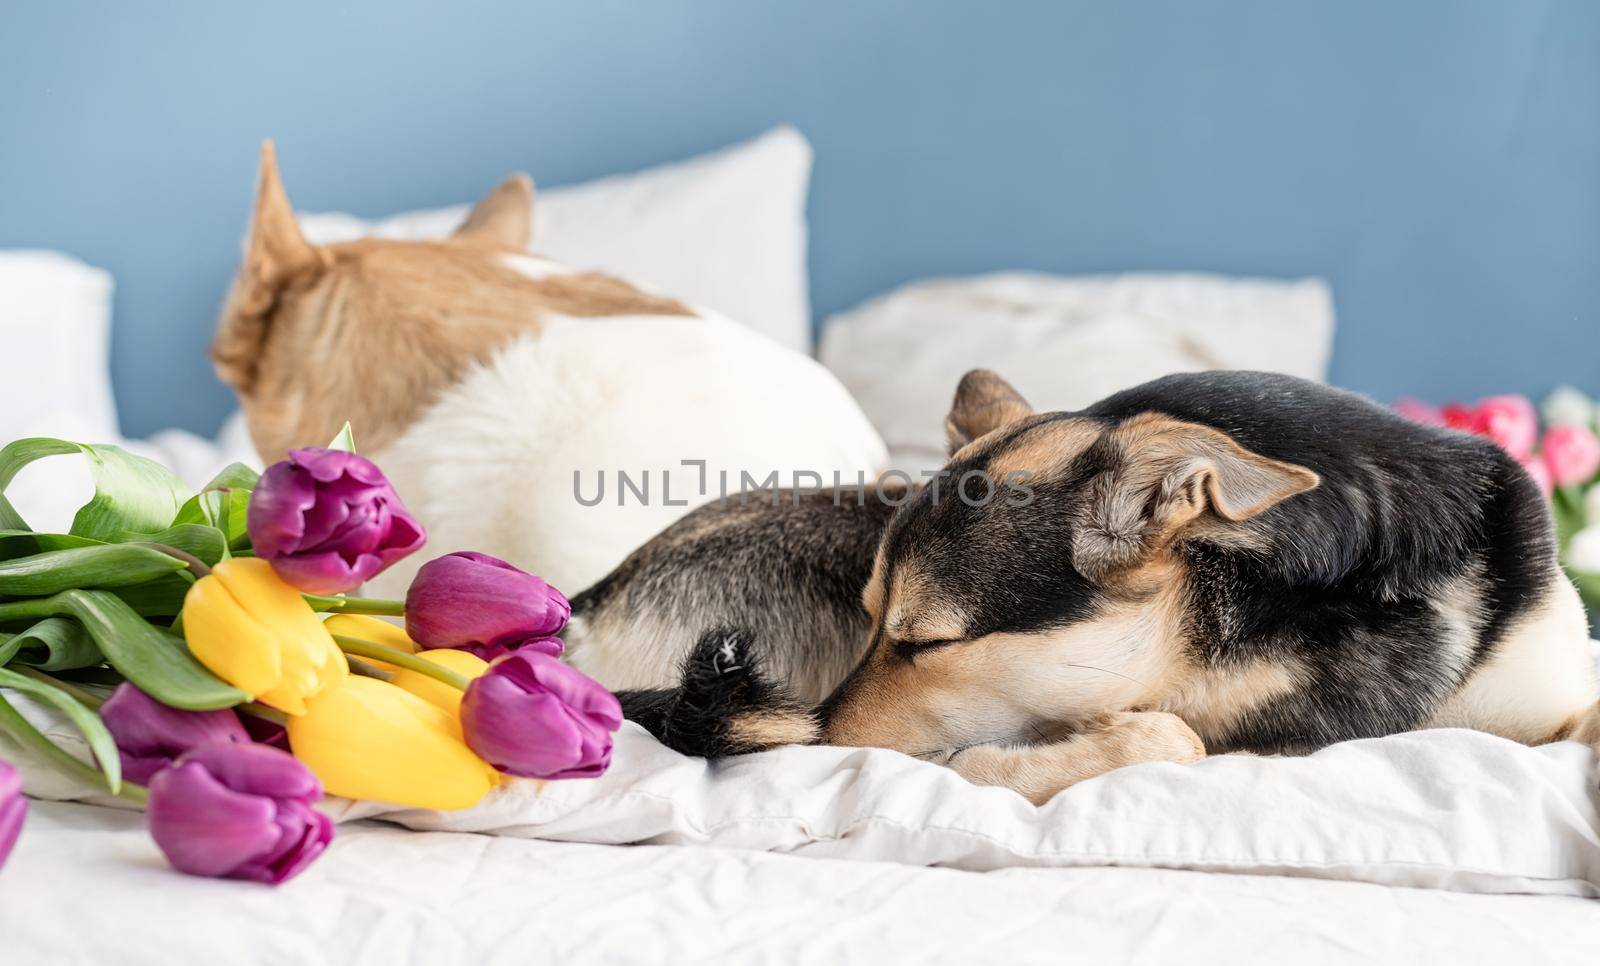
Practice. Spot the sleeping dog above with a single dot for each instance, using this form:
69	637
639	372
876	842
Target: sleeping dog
1233	561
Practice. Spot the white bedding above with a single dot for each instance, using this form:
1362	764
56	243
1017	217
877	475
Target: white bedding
85	885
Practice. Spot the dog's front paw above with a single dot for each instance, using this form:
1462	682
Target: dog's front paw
1136	737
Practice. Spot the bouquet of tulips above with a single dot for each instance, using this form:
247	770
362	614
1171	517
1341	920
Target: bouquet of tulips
1564	461
207	648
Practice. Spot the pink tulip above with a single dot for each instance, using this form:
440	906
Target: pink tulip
1510	421
1457	416
1419	411
1541	476
1572	454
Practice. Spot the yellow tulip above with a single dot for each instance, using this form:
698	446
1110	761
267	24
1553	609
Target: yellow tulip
437	692
374	629
369	739
256	632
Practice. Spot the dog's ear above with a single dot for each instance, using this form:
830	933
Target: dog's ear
505	215
1166	478
984	402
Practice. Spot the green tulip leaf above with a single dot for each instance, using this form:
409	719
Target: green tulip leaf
202	542
1566	507
345	441
108	565
53	644
223	503
131	493
13	458
155	660
160	598
25	543
86	721
234	476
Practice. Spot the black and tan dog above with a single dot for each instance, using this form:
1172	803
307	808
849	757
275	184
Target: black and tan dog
1233	561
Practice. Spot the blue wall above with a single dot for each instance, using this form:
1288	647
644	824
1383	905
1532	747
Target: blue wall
1438	160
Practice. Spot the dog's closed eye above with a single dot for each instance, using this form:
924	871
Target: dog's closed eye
910	649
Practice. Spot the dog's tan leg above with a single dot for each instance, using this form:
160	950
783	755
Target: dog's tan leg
1037	772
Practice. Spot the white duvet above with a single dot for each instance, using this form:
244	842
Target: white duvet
85	886
1443	809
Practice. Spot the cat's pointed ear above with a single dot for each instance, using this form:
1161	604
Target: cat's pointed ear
984	402
505	215
274	251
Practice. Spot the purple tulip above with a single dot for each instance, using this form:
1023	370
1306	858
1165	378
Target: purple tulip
149	735
329	521
552	646
13	807
238	812
533	716
482	604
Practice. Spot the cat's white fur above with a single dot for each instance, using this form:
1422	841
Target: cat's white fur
490	464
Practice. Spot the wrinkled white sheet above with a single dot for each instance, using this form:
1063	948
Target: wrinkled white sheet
85	885
1445	809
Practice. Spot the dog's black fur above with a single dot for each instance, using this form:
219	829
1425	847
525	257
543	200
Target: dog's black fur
721	684
1349	579
1344	580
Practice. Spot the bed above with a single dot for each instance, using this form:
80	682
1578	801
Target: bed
85	885
1421	847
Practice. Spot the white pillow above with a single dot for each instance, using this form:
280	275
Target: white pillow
725	230
1063	342
55	324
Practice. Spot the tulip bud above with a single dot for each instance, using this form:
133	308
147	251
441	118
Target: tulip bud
13	808
258	634
1510	421
238	811
1583	550
329	521
1572	454
482	604
149	735
533	716
1567	406
370	739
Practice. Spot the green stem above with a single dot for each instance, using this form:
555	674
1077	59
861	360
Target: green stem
371	605
196	566
358	666
389	655
258	710
84	697
24	732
